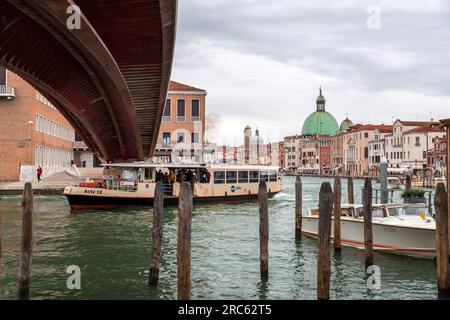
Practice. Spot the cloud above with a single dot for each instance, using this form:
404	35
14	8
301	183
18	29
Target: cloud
263	61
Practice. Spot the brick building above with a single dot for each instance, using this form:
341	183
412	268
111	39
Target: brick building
32	131
182	132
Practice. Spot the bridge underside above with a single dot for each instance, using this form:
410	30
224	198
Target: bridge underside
109	78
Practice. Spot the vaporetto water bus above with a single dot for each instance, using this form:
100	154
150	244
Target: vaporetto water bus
133	184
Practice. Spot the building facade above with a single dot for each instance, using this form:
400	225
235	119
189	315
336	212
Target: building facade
407	146
181	136
32	132
356	148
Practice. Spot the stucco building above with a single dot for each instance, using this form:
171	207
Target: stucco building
181	136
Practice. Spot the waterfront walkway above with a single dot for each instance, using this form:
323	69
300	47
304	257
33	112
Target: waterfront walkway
53	184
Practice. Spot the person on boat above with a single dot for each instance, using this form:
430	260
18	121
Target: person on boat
39	173
166	178
193	178
182	177
189	175
172	177
159	176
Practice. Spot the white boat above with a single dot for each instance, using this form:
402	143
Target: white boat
405	229
394	183
129	184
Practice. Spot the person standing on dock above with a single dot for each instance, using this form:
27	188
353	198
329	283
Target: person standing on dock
39	173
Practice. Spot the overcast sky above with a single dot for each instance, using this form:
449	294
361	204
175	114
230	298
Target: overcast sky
262	61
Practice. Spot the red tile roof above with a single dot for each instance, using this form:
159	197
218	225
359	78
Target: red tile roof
425	129
177	86
367	127
418	123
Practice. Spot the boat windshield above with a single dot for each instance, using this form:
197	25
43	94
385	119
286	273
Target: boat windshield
407	211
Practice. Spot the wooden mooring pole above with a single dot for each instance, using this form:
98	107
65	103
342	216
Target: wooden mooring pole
368	236
158	207
298	208
263	230
442	239
324	242
184	241
337	214
27	242
351	196
408	183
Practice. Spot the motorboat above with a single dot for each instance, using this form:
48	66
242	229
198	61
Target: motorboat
398	228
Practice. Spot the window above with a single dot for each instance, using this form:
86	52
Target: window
417	141
166	115
166	139
366	152
219	177
264	175
272	176
180	137
2	76
366	134
254	176
195	137
181	110
231	176
424	154
243	176
195	110
37	122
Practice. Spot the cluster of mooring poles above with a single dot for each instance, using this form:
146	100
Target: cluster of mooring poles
329	209
330	203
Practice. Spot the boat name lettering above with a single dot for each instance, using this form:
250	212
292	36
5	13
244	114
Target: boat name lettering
93	191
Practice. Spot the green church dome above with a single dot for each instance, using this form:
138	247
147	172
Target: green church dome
321	121
346	124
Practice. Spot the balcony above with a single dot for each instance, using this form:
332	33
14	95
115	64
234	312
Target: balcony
7	92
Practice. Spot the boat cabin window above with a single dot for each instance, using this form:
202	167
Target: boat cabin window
254	176
346	212
377	213
219	177
264	175
272	176
231	176
148	173
243	176
407	211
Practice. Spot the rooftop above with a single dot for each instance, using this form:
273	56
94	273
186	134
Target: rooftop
177	86
425	129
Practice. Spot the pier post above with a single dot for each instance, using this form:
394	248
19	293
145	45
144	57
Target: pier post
1	263
384	180
408	182
337	214
442	239
368	236
298	208
324	242
158	207
263	230
184	241
351	196
26	243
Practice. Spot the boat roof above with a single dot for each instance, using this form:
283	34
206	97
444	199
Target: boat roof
387	205
192	166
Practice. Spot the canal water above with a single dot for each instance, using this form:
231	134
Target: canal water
112	249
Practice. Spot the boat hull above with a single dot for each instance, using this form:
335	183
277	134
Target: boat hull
78	202
413	242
